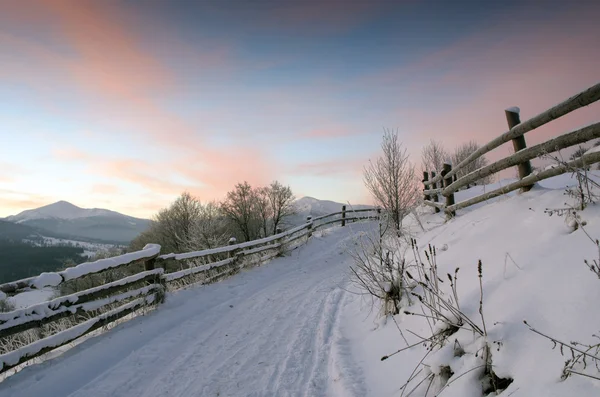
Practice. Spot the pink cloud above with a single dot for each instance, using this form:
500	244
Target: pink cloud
531	66
120	79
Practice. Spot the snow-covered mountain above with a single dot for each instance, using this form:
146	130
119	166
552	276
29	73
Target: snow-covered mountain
60	210
70	220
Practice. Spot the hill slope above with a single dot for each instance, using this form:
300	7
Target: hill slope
66	219
533	269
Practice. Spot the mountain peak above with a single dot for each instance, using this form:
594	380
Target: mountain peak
59	210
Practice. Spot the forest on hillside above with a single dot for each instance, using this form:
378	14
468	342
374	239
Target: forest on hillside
20	260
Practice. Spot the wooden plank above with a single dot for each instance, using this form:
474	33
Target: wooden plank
14	286
434	204
577	101
261	249
83	296
229	248
95	323
587	159
567	140
78	309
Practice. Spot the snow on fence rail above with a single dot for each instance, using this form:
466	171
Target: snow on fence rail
87	310
444	181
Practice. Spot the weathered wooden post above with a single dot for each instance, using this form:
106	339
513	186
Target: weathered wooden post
310	225
425	187
435	195
232	241
447	182
149	263
513	119
343	215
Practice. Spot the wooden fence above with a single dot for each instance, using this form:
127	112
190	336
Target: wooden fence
445	183
143	278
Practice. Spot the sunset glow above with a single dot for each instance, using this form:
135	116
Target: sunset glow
124	105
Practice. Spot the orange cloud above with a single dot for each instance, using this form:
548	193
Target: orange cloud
13	202
120	81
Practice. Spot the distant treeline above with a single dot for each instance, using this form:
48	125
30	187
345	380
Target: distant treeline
21	260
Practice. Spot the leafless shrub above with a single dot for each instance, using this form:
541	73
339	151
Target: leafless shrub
379	271
586	191
442	310
579	354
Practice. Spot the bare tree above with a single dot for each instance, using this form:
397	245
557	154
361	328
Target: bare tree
210	230
462	152
281	200
240	207
433	156
186	225
391	180
174	225
264	210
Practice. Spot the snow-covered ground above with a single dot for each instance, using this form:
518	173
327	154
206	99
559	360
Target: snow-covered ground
294	327
269	331
533	270
89	249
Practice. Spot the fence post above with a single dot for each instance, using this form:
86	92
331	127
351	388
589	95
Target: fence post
149	264
513	119
343	215
310	225
232	241
425	179
447	182
435	196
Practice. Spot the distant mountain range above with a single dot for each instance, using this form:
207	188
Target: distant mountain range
65	220
314	207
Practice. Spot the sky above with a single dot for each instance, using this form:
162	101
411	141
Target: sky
126	104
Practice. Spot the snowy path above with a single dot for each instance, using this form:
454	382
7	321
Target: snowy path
269	331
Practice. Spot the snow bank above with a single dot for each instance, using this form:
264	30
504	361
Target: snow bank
533	269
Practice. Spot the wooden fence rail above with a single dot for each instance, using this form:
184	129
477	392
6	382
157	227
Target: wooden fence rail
92	308
521	158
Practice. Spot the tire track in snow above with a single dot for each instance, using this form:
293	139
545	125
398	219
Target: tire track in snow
269	331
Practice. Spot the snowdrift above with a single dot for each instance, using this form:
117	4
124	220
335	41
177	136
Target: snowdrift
533	269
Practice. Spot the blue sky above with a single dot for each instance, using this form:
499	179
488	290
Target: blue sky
125	104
